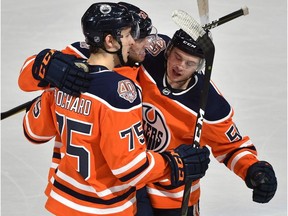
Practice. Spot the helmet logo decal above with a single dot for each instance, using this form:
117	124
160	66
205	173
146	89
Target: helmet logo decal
97	39
156	131
105	9
189	44
127	90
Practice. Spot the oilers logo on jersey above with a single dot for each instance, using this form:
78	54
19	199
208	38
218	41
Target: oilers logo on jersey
156	131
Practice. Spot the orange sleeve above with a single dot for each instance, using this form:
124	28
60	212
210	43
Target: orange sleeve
228	146
26	81
38	122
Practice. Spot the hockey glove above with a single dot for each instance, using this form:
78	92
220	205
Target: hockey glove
62	71
261	178
187	161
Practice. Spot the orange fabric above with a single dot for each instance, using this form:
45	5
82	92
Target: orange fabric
26	81
178	123
94	129
168	123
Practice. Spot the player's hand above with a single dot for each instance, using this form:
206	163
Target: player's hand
187	162
261	178
60	70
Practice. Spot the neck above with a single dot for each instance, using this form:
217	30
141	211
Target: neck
103	58
181	84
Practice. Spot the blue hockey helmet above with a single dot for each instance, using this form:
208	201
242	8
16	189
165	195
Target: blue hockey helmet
185	43
105	18
140	16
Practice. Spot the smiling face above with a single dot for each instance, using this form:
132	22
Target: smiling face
180	68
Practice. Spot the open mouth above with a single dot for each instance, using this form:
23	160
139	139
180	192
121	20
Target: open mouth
176	73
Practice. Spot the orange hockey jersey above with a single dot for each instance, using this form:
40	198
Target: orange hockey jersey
169	118
106	155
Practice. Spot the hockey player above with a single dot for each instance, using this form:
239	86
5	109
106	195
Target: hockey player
73	82
178	83
70	79
171	89
105	152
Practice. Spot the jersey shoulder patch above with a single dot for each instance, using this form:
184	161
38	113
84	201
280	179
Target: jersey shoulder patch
157	44
117	90
81	48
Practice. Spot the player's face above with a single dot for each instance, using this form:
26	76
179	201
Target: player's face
138	50
180	68
127	41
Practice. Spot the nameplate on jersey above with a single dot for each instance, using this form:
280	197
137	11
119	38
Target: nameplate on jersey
126	90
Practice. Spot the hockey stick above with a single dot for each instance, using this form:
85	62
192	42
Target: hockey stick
203	10
243	11
14	110
191	27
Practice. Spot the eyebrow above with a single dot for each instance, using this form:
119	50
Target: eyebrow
188	60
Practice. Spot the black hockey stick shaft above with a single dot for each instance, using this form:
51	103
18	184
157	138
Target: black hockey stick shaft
194	30
15	110
243	11
209	57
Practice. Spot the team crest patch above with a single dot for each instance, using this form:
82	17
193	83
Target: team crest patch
127	90
157	44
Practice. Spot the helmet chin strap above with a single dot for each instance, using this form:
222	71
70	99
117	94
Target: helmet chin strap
118	52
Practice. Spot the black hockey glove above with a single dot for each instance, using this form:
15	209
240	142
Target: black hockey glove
187	161
63	71
261	178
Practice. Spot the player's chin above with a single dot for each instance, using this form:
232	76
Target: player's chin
141	57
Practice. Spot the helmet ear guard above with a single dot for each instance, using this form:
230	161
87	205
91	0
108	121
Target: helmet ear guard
201	66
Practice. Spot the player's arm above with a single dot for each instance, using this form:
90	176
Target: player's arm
26	81
38	122
126	153
238	153
51	67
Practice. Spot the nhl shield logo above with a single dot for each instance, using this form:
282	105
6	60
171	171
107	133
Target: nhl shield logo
127	90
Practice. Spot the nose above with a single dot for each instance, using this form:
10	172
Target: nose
181	65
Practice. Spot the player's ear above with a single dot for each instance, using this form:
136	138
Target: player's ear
109	41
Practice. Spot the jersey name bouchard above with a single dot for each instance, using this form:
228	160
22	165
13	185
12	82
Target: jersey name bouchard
155	129
74	104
